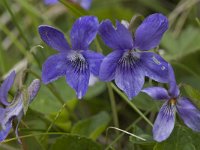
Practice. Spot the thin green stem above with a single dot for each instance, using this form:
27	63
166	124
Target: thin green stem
113	105
16	23
53	122
42	117
131	104
122	134
80	12
32	54
56	117
31	135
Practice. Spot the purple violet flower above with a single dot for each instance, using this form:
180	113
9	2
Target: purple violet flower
15	109
126	64
165	120
83	3
77	62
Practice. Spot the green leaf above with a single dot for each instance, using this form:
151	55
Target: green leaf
74	142
47	99
145	102
193	94
179	47
95	90
92	127
182	138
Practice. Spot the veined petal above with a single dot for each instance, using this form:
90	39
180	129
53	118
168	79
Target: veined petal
155	66
109	65
54	38
164	123
5	87
54	67
94	59
78	74
83	32
129	75
4	132
189	113
14	109
11	111
157	93
118	38
150	32
173	88
50	2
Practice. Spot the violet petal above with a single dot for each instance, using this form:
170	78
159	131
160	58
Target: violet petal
129	75
157	93
54	38
77	75
54	67
150	32
189	113
5	87
173	87
83	32
94	59
118	38
109	65
164	123
155	66
4	132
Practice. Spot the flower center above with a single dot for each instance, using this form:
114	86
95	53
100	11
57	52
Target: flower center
129	59
78	62
172	101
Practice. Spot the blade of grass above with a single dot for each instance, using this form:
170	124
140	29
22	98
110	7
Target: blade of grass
71	7
122	134
37	134
7	5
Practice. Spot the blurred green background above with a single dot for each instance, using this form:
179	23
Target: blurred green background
56	119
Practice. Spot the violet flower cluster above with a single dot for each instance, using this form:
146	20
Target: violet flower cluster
128	64
14	109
